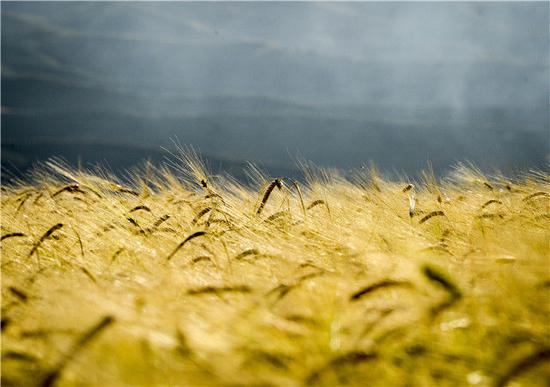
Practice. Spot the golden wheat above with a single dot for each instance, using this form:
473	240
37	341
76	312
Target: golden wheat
196	289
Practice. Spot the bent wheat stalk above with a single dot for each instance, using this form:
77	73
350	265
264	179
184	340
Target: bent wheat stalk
269	189
379	285
431	215
72	188
12	235
542	355
52	376
218	290
46	235
490	202
192	236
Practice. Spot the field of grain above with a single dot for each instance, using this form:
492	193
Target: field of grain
183	278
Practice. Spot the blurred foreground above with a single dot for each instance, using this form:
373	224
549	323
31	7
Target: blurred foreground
196	280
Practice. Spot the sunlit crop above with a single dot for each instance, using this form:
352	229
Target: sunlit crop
183	278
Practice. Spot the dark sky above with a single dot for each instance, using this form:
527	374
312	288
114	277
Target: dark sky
376	74
407	53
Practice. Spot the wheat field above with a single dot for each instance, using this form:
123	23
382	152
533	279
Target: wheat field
183	278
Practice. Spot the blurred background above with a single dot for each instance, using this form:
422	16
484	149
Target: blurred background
340	84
